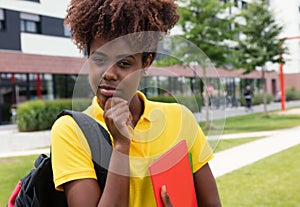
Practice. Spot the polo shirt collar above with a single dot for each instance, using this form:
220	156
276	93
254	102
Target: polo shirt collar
98	111
147	106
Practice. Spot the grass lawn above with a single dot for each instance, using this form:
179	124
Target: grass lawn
257	122
224	144
271	182
11	171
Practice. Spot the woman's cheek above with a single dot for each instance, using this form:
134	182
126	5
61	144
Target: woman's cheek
130	84
94	80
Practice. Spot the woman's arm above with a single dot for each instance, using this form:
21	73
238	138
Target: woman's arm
206	188
83	192
86	192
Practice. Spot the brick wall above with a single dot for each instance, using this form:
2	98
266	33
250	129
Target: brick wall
292	80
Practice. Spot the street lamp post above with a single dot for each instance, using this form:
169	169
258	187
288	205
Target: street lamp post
282	76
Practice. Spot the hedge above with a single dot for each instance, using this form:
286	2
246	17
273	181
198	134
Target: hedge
291	94
194	103
38	115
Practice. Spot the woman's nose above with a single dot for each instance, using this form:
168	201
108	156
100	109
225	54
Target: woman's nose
110	73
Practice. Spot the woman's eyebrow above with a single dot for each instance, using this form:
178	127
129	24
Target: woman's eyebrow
98	53
118	57
121	56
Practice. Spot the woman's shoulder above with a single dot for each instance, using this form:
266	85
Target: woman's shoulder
63	124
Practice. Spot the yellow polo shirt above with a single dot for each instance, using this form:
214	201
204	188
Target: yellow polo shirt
161	126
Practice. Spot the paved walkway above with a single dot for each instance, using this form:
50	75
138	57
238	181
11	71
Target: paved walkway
14	143
234	158
222	113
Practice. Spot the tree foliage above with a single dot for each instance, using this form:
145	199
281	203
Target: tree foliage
208	24
261	42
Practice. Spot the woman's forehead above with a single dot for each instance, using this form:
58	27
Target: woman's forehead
116	47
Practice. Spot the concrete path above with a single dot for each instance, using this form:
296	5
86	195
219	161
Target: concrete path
223	113
234	158
14	143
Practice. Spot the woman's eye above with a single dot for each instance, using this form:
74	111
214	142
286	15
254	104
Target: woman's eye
99	61
124	63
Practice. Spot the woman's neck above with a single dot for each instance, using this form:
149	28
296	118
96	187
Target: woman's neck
136	108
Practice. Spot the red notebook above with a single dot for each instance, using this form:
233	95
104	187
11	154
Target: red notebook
173	169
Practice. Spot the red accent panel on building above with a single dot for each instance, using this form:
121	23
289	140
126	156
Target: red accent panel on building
17	62
39	86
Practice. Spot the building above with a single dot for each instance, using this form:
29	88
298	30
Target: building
287	14
39	61
36	52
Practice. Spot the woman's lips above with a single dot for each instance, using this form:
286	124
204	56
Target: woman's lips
107	91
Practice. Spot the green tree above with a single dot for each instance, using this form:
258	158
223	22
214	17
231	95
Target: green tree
208	24
261	42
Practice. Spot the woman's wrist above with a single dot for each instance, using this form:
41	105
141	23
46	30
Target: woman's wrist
122	146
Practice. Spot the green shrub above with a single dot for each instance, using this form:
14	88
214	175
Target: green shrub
40	114
258	98
164	99
194	103
291	94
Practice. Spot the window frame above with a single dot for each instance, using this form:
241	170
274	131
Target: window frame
67	30
2	20
37	1
236	3
244	5
30	23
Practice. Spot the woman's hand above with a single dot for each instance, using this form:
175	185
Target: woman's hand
165	197
118	119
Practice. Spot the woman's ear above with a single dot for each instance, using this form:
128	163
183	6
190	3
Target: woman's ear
148	61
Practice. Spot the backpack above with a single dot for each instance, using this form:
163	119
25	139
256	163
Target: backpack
37	189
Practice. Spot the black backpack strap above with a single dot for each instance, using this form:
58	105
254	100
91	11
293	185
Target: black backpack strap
98	139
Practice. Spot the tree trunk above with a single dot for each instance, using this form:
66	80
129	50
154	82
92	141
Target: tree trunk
264	92
206	99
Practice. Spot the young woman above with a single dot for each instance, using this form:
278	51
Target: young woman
120	37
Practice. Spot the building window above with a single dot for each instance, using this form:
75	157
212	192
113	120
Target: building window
237	27
244	5
38	1
67	31
30	23
236	3
2	20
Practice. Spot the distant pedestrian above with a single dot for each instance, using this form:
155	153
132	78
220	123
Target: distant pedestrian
248	97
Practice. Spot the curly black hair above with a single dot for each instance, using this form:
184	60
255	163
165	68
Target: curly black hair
109	19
